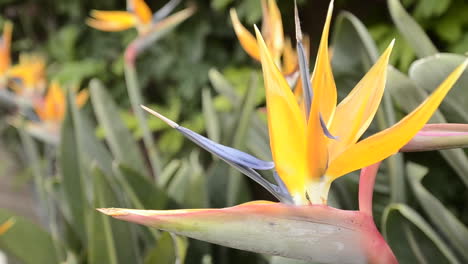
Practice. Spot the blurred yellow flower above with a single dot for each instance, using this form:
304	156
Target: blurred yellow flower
5	226
28	75
272	30
51	108
5	49
138	16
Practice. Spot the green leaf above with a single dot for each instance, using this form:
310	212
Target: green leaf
452	228
410	29
75	71
412	239
212	123
429	72
118	137
109	241
350	64
170	141
431	8
91	149
187	186
62	43
28	242
101	244
136	100
241	126
163	252
142	193
169	249
220	5
196	194
168	172
222	86
177	187
258	141
72	183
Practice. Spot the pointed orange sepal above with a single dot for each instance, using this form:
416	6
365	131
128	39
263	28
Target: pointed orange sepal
142	11
286	125
387	142
246	39
111	20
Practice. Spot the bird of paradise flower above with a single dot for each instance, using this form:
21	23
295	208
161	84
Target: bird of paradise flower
280	47
312	144
138	15
50	110
28	77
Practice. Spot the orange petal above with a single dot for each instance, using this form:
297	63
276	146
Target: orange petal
52	108
355	113
286	124
5	47
322	78
82	97
275	38
246	39
111	20
142	11
387	142
5	226
31	71
289	58
317	152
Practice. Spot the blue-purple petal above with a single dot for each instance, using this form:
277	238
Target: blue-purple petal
303	66
325	129
242	161
227	153
165	10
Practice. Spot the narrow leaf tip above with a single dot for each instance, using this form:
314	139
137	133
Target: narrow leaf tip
163	118
112	211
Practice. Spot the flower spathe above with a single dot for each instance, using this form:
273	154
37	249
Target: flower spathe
437	137
315	233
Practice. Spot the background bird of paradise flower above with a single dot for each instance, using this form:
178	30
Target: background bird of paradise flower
99	163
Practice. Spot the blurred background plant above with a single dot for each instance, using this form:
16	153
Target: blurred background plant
199	76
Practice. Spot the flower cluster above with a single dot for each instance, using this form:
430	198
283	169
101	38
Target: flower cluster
24	85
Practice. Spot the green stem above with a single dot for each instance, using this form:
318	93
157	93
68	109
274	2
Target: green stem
136	101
